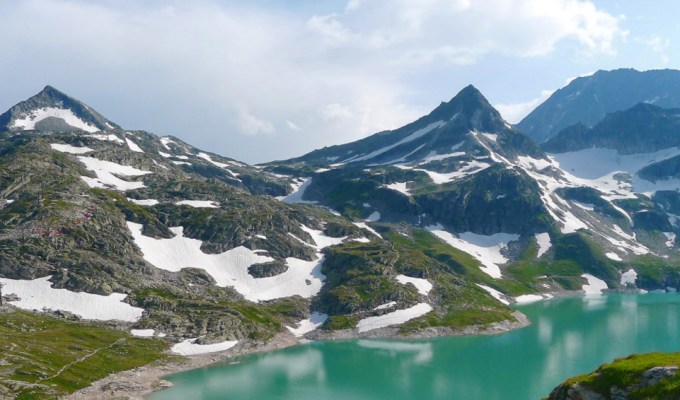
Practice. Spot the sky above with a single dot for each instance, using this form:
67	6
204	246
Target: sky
265	80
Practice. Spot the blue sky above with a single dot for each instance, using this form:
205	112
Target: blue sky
268	79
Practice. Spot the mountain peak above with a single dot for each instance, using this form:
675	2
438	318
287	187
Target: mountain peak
53	110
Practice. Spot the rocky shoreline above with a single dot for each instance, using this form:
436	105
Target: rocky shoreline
136	383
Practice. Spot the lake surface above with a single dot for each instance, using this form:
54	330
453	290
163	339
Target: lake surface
569	336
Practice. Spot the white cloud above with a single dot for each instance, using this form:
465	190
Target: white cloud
293	126
249	124
180	67
515	112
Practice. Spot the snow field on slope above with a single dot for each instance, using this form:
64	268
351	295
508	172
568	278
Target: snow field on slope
486	249
629	276
495	293
189	348
67	148
133	146
105	171
309	324
595	285
231	267
38	294
397	317
671	239
298	192
423	285
544	243
199	203
415	135
29	120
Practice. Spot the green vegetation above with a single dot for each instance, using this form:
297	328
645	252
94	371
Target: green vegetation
44	357
627	373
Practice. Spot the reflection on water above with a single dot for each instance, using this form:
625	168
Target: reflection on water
568	337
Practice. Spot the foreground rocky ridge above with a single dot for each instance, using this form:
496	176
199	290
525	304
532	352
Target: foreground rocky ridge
649	376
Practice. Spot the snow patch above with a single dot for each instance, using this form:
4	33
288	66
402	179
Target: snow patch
595	285
107	138
299	188
486	249
394	318
142	332
363	225
147	202
189	348
386	305
544	243
470	168
39	294
105	171
629	277
493	137
308	325
199	203
67	148
133	146
528	298
303	278
671	239
30	119
399	187
423	285
613	256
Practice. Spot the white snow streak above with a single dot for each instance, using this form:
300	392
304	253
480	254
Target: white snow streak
629	277
67	148
415	135
199	203
495	293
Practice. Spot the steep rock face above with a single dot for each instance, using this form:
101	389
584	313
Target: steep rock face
589	99
52	110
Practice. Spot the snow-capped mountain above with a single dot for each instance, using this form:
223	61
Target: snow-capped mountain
52	110
112	224
588	99
485	189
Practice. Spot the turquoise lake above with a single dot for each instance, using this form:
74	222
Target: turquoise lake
569	336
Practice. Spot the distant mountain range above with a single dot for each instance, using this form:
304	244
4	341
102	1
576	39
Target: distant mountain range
588	99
